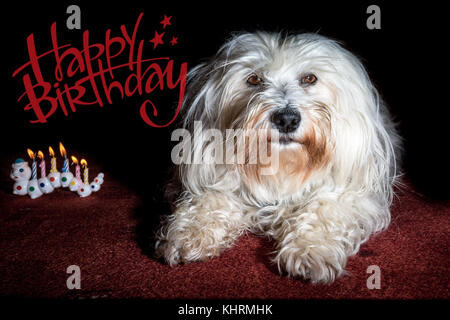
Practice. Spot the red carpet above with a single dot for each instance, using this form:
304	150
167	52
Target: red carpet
41	238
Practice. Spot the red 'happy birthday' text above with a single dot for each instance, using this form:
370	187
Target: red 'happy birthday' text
94	69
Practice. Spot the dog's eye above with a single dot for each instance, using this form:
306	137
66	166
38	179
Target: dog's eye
308	79
254	80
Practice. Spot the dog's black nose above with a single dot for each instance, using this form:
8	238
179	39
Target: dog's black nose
286	120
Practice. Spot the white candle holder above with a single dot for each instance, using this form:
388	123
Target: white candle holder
84	190
74	184
95	185
55	179
99	177
66	178
33	189
45	185
21	174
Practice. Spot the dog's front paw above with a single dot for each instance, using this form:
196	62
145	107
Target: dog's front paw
199	229
169	251
317	263
187	246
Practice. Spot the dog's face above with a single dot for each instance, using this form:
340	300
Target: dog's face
312	92
285	87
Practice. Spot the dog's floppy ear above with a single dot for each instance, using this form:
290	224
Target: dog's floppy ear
366	140
210	84
198	93
201	112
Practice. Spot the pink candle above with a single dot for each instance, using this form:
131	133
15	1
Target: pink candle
77	173
42	164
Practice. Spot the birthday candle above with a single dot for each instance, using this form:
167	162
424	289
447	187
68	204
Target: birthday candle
62	150
66	165
66	175
54	176
85	189
53	160
33	167
86	171
77	169
44	183
42	164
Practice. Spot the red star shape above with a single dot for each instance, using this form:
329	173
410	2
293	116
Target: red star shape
157	39
166	21
174	41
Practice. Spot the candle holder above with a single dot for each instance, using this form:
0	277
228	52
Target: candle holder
45	185
33	189
55	179
99	177
20	173
66	178
74	184
95	185
84	190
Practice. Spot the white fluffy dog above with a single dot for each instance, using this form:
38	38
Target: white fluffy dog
337	156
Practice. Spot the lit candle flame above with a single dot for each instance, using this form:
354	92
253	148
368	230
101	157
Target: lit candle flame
30	153
74	160
40	155
83	163
62	150
50	150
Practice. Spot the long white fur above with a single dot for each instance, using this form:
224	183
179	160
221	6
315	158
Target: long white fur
316	224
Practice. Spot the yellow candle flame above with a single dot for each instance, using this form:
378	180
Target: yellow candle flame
74	160
83	163
51	152
40	155
62	150
30	153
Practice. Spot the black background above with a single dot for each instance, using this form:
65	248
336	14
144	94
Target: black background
404	59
